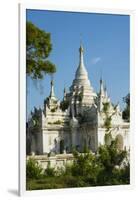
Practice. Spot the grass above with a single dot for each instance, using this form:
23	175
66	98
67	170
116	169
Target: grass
66	181
55	183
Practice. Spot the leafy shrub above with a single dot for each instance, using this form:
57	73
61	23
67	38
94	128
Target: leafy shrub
109	166
64	105
57	122
107	123
126	111
49	171
80	96
33	169
105	107
53	110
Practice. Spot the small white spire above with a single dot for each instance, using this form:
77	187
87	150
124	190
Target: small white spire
101	88
64	90
102	93
118	107
52	94
65	93
81	50
105	91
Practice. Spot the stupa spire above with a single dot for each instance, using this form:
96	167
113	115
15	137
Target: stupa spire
52	93
101	88
81	72
81	83
81	50
105	90
64	93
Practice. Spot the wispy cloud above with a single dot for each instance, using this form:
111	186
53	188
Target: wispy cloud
95	60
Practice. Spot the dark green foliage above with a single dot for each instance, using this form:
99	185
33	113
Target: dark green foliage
111	159
108	119
80	97
35	118
85	149
49	171
53	109
45	183
72	181
57	122
38	48
64	105
126	112
105	107
33	169
110	156
85	167
107	123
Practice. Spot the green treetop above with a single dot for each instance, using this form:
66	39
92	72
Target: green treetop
38	48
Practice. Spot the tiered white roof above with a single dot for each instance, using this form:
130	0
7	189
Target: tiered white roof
81	76
82	81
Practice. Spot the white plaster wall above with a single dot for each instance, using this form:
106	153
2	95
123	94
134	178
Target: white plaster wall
33	144
101	135
45	142
127	139
58	161
49	140
115	131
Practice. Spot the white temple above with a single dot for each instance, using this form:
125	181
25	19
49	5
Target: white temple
83	119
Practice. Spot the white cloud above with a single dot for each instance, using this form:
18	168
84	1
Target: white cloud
95	60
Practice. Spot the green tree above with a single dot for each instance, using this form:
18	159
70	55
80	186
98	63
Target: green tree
110	156
85	167
115	165
64	105
126	112
38	48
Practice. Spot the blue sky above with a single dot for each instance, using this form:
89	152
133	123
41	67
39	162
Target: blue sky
105	39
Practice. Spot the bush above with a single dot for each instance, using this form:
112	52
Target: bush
33	169
49	171
53	109
105	107
108	167
107	123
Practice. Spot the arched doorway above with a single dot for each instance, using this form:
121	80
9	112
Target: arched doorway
120	142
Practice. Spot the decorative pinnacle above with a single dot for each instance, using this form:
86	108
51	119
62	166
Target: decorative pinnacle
52	82
64	90
52	89
101	81
105	89
81	46
81	49
101	87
